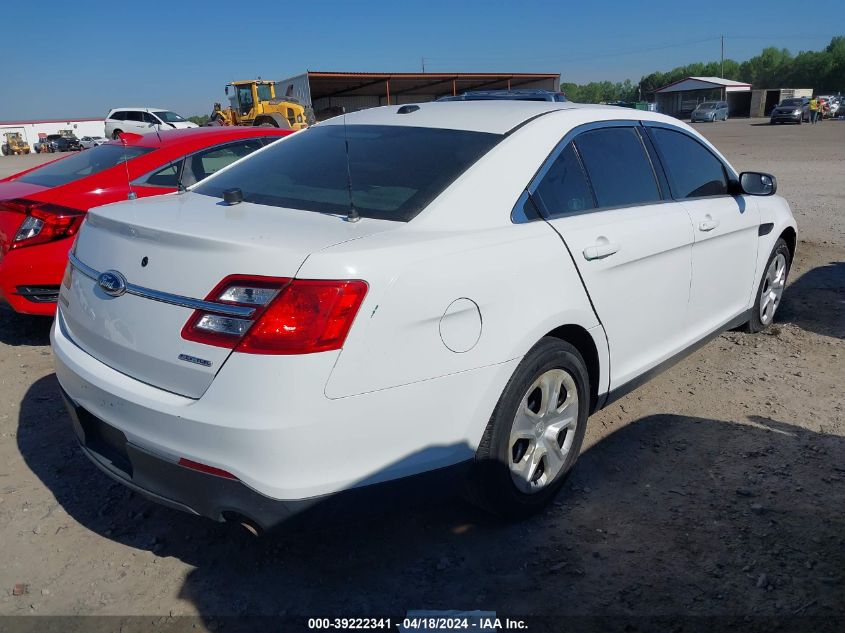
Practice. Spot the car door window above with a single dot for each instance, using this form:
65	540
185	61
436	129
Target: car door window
564	188
692	169
618	167
202	164
133	116
146	117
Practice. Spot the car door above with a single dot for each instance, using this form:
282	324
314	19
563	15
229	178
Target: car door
726	228
632	247
150	122
134	122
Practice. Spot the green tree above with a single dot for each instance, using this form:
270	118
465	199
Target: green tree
823	71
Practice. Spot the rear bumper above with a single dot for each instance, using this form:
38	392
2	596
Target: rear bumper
271	426
166	482
30	277
219	498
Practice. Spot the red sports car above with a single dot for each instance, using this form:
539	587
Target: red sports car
41	209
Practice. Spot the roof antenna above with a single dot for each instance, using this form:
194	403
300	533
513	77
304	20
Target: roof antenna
353	215
155	127
131	195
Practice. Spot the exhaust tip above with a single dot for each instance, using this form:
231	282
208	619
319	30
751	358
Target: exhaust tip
245	522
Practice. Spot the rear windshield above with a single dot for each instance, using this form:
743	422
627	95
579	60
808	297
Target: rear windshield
395	171
87	163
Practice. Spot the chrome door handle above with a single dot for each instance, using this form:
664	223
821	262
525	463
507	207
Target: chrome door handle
708	224
600	250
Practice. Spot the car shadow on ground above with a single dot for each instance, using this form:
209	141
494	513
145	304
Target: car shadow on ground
815	301
668	515
23	329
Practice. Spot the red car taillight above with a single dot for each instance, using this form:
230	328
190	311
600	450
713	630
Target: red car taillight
43	222
299	316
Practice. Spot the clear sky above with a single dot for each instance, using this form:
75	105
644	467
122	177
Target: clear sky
179	55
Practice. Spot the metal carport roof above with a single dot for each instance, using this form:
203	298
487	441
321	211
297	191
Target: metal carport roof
342	84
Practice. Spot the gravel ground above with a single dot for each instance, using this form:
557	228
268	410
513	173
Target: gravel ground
717	489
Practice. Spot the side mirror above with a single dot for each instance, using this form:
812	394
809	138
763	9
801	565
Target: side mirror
757	184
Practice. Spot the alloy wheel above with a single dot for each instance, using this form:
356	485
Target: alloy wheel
543	430
772	290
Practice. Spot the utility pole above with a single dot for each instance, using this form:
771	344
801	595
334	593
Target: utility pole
723	57
422	63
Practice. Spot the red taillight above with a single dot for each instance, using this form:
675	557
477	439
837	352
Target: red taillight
299	316
43	222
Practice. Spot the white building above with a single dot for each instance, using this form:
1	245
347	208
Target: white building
32	131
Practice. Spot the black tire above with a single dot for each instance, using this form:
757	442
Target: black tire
116	134
265	122
490	484
755	324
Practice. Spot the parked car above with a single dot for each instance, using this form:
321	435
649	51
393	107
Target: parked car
62	143
710	111
87	142
527	94
143	121
794	110
42	209
420	291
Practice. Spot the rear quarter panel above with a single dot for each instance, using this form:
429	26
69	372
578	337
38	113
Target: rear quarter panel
520	278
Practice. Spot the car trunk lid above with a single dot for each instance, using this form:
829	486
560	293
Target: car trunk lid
182	246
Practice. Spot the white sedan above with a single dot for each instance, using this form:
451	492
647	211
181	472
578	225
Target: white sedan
404	295
87	142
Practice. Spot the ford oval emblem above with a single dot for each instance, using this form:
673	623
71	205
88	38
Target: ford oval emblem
112	283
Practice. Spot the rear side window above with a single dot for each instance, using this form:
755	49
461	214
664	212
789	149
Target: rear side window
393	171
692	169
564	188
86	163
202	164
165	177
618	166
120	115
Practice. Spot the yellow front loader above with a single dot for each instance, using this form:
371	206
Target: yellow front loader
14	144
254	103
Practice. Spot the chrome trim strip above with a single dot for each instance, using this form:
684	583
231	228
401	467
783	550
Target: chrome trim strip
166	297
